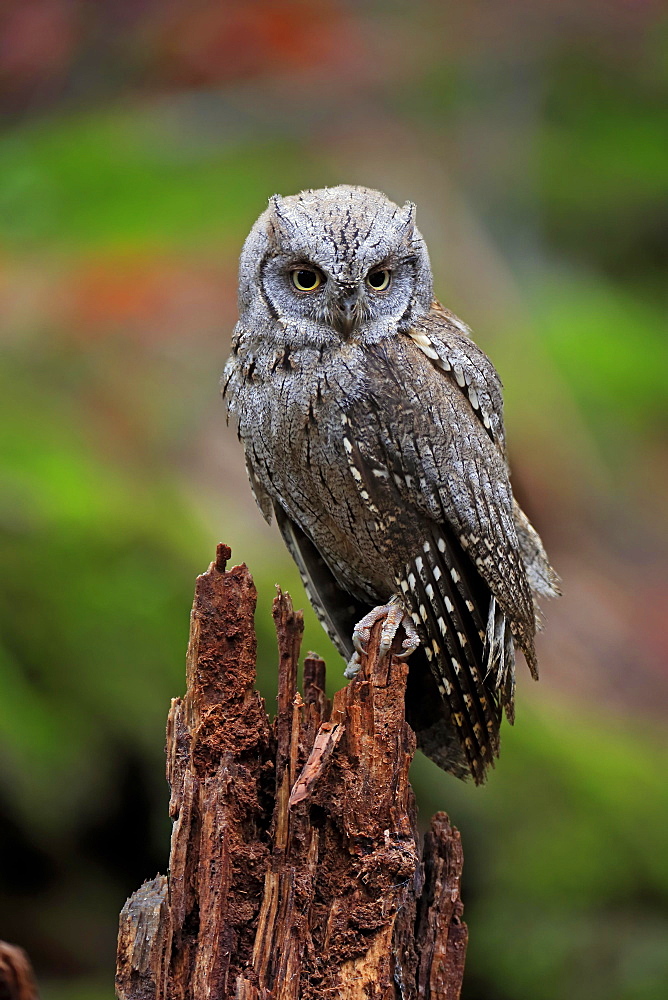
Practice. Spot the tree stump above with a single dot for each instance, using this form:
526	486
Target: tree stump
294	870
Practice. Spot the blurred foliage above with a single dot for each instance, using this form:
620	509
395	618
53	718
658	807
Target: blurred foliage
612	349
124	178
88	544
605	129
141	143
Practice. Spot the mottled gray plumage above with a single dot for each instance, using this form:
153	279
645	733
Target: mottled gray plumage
373	430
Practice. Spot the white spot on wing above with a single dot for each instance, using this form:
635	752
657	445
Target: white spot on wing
425	344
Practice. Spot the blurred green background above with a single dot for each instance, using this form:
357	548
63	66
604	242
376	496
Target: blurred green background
141	139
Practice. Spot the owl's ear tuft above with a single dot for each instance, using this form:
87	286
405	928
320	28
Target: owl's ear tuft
407	221
278	224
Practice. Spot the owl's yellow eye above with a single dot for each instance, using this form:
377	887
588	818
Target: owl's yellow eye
307	279
378	280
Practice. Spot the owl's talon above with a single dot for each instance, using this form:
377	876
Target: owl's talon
394	616
410	648
412	640
353	667
358	635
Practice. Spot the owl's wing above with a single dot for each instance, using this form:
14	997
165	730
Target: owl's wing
447	342
418	426
337	610
543	579
425	458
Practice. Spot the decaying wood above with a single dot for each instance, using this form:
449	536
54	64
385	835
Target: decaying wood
295	870
17	981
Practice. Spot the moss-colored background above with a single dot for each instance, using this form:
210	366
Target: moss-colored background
140	142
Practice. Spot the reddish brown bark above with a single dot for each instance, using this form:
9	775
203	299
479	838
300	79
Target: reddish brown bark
294	870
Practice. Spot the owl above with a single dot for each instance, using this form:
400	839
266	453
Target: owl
373	432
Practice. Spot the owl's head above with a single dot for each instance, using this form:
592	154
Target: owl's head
338	262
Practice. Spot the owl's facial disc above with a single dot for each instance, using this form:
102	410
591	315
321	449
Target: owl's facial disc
341	262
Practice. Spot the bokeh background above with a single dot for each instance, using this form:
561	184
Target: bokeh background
141	139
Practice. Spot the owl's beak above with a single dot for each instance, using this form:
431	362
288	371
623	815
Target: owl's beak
346	315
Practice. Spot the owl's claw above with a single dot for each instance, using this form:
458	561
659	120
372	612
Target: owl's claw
353	668
357	640
394	615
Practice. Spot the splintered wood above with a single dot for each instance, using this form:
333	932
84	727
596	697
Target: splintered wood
294	868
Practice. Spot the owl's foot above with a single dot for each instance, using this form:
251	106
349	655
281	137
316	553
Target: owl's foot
395	616
353	666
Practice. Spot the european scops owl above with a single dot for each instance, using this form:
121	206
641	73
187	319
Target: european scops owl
373	431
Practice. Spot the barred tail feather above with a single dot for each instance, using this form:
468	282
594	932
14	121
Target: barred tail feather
466	598
509	680
499	653
445	609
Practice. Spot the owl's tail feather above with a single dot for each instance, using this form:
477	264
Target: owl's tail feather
429	715
500	657
444	605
